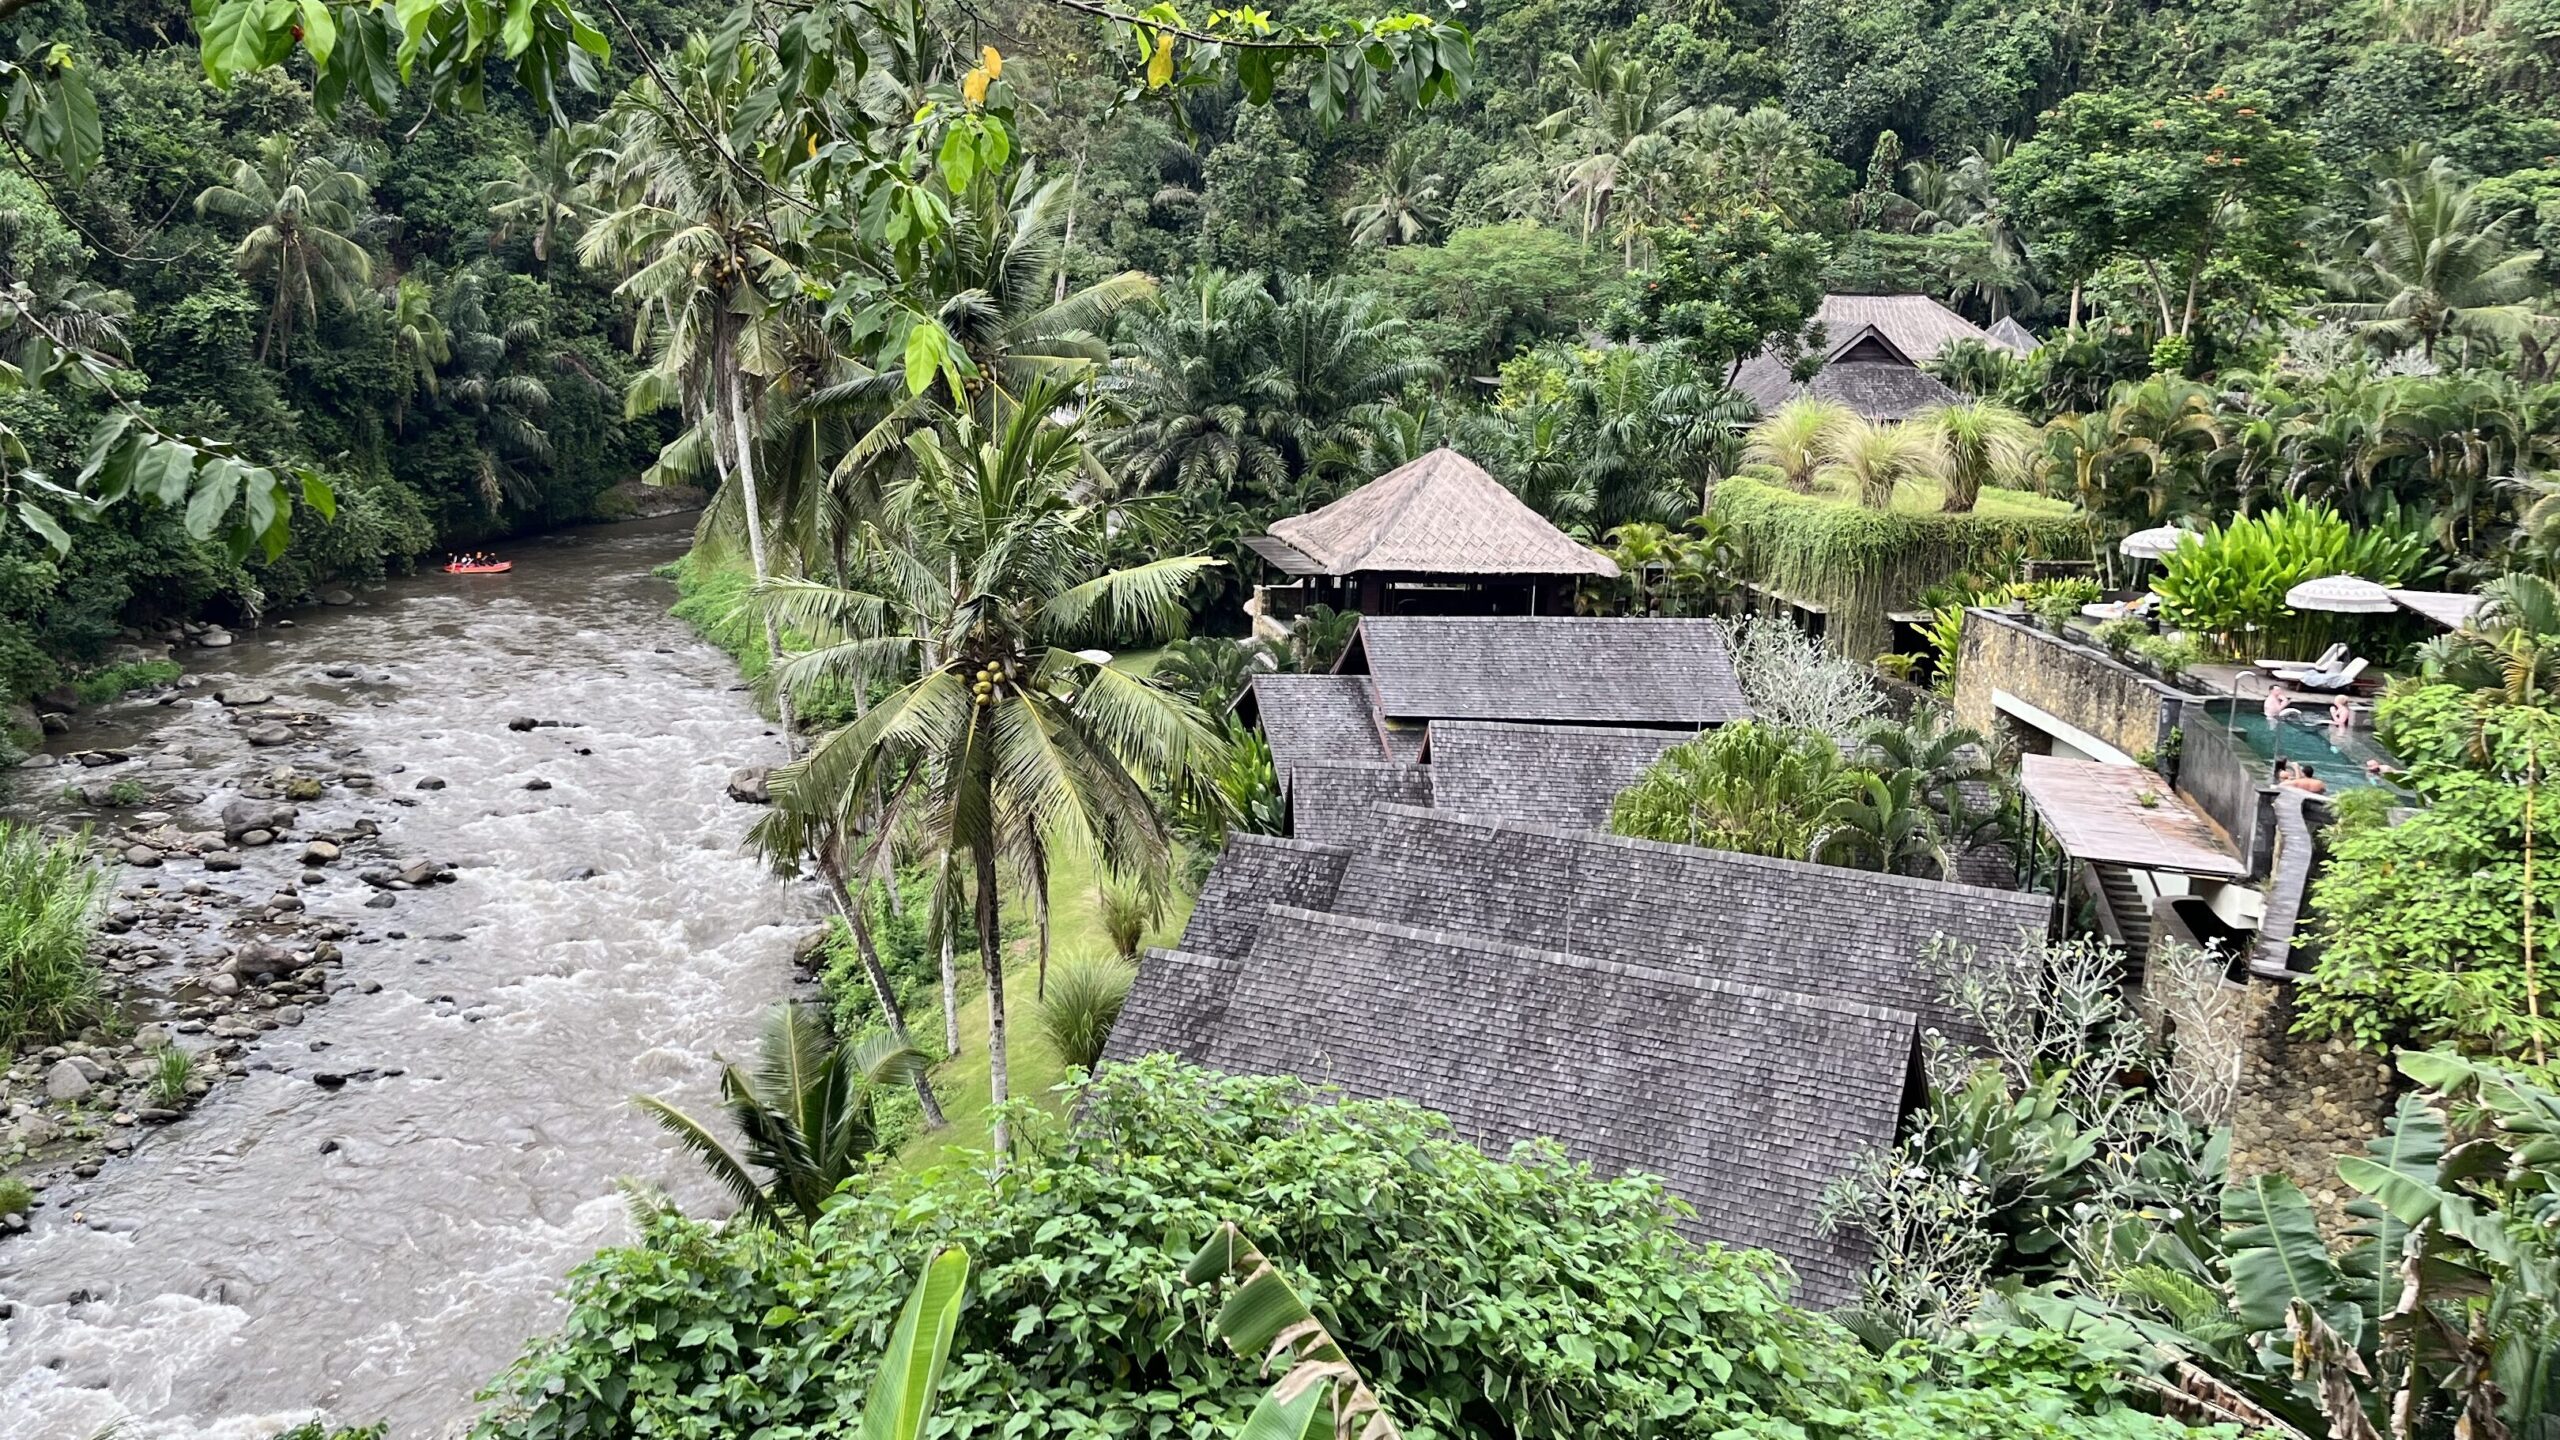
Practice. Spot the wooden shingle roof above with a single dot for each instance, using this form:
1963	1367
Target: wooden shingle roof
1327	802
1317	719
1744	1101
1556	669
1561	775
1439	515
1871	346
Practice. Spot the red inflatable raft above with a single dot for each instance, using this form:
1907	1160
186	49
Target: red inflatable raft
500	568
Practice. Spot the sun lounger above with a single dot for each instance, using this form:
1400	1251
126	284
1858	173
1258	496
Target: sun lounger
2330	680
2330	659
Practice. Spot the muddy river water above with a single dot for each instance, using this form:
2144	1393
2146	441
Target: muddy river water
381	1249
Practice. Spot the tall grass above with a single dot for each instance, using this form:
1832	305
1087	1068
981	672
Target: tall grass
1082	1005
49	890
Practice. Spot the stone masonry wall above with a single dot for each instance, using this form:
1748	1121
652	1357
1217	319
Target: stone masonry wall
2304	1103
2075	683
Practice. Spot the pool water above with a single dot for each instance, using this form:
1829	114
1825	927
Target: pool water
2334	755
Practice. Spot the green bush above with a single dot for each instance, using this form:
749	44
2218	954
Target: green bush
2120	637
1755	788
2172	655
49	986
1083	1003
170	1072
1525	1297
1860	563
2227	586
102	685
16	1197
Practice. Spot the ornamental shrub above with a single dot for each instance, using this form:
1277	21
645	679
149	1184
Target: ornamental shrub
1523	1297
2227	586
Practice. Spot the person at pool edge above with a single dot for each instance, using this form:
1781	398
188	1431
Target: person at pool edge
2298	776
2277	702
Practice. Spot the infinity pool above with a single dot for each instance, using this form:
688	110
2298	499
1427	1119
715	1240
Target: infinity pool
2334	755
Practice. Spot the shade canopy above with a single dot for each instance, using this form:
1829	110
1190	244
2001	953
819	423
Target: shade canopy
2153	543
2448	608
2125	815
2342	595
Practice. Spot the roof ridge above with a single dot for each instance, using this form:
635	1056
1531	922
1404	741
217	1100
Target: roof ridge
1489	945
1290	843
1632	732
1734	857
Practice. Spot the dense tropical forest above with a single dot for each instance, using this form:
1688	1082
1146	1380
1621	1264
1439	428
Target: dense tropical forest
2341	217
986	333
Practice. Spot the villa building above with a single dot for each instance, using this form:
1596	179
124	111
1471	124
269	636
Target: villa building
1872	349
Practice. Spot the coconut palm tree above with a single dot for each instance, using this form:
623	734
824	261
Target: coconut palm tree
548	197
1791	440
992	738
705	269
1983	442
1000	270
1874	460
2438	263
1206	404
1618	107
1407	203
418	342
303	212
808	1114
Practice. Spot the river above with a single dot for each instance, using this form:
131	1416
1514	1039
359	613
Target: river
382	1249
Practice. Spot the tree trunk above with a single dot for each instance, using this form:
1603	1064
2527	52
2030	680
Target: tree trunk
950	995
850	906
991	956
742	446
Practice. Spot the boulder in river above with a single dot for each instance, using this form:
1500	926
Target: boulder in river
242	816
97	759
319	852
214	639
259	960
270	735
747	786
220	861
65	1081
430	783
142	857
302	787
337	597
241	699
537	783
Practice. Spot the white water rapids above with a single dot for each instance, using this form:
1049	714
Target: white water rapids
231	1276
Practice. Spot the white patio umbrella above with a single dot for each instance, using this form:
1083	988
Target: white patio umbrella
2153	543
2342	595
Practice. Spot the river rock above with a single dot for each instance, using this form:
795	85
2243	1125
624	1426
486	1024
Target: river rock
54	722
222	985
65	1082
319	852
241	699
337	597
142	857
379	900
424	872
430	783
747	786
537	783
259	960
242	816
270	735
256	838
97	759
221	861
340	672
302	787
214	639
32	1131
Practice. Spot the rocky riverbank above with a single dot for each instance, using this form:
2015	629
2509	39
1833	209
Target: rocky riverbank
207	955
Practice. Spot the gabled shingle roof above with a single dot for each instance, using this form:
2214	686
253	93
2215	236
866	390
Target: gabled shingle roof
1251	872
1328	802
1560	775
1742	919
1317	719
1745	1101
2009	335
1176	1005
1549	668
1439	515
1915	326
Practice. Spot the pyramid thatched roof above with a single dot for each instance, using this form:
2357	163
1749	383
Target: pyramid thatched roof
1439	515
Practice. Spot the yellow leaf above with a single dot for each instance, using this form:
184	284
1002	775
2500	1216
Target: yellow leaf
973	87
991	60
1160	68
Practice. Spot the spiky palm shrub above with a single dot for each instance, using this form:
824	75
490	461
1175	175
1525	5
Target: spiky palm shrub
808	1114
1982	442
1875	460
1082	1005
48	910
1792	440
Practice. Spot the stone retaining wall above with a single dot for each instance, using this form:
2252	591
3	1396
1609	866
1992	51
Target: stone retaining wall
2303	1104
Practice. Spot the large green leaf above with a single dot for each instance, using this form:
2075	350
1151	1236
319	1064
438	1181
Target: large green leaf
2276	1257
902	1397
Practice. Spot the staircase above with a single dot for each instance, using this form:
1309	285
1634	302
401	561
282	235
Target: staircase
2127	914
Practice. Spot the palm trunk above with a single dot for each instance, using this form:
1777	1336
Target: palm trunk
950	996
742	447
991	956
850	906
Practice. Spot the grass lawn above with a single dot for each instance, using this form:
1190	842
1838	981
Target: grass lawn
1926	497
1075	932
